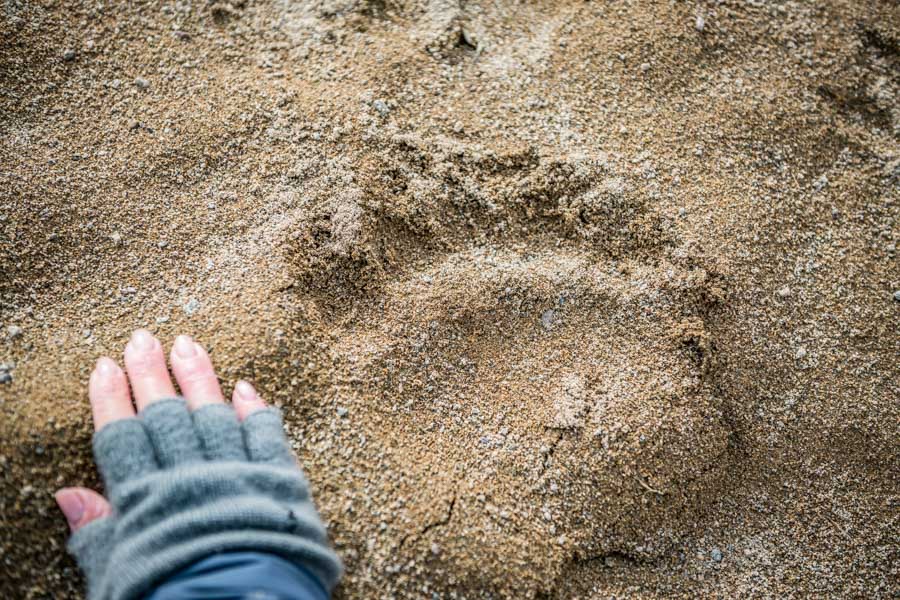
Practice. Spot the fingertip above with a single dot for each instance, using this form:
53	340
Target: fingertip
107	367
245	399
245	392
143	340
195	373
147	371
71	505
184	347
81	506
108	393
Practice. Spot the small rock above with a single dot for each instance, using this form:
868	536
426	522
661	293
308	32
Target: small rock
784	292
141	83
68	55
716	555
342	412
161	320
897	295
382	107
801	353
547	318
645	67
5	377
116	238
134	126
14	331
192	306
821	183
162	244
700	23
87	333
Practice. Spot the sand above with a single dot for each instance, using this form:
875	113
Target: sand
560	299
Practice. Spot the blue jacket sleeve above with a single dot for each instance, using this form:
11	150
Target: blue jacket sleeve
240	576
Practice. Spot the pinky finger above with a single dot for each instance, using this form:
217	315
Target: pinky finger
245	399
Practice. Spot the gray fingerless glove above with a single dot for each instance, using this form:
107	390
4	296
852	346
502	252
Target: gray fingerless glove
187	485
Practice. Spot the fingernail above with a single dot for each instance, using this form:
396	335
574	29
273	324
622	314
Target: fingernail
106	367
142	340
245	391
184	347
71	505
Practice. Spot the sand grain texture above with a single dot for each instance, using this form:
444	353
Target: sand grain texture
560	299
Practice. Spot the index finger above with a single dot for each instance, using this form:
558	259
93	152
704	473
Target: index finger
108	391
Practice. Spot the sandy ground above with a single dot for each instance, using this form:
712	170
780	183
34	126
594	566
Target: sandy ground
560	299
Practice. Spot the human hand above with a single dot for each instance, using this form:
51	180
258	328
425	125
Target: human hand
185	478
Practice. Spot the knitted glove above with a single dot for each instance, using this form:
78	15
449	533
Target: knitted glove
187	485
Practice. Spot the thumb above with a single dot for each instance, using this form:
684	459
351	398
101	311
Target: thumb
81	506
